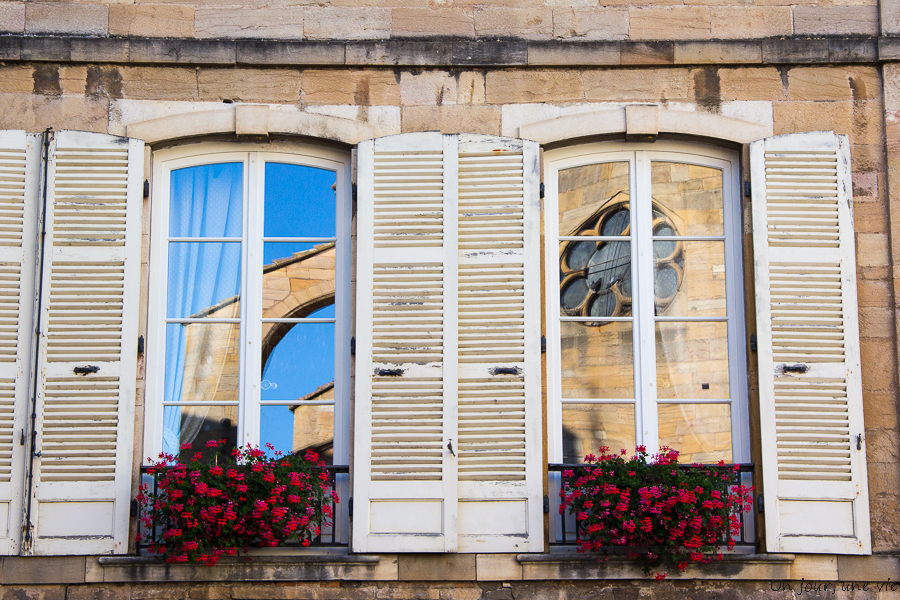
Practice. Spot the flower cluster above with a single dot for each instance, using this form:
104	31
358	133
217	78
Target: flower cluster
665	514
204	511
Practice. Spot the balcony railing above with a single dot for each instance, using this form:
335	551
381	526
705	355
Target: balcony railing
335	535
563	530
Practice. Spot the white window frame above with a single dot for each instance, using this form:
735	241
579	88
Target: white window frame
253	157
640	157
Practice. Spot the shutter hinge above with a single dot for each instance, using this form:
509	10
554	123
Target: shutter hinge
353	346
353	192
146	188
350	506
542	189
760	504
22	438
140	344
753	343
134	508
747	189
543	344
546	505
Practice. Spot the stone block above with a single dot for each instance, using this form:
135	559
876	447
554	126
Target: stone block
873	293
563	54
12	17
159	83
890	17
648	53
400	53
602	23
836	20
649	85
533	23
734	22
437	567
510	87
794	51
814	567
853	50
189	52
452	119
44	592
10	48
16	78
878	374
876	322
250	119
834	83
281	22
489	52
471	88
103	82
670	22
791	117
94	592
249	85
641	122
72	80
62	17
872	250
868	568
362	88
100	50
891	73
347	23
151	20
497	567
428	88
426	22
760	83
44	569
717	53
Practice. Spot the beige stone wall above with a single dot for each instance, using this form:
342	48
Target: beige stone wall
384	19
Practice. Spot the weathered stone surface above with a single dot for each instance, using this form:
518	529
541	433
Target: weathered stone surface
890	17
60	17
99	50
488	52
503	87
791	117
852	50
667	23
249	85
437	567
717	53
347	23
12	17
94	592
868	568
497	567
271	52
817	567
435	88
16	79
741	22
73	80
190	52
833	83
762	83
282	22
795	51
529	23
425	22
836	20
452	119
250	119
151	20
46	592
651	85
159	83
591	23
891	86
562	54
36	570
362	87
648	53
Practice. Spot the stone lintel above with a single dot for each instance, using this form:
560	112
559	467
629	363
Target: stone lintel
641	122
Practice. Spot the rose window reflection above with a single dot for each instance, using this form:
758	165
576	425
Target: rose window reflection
595	275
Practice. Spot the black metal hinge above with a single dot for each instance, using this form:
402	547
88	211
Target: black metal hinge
140	344
350	506
546	505
747	189
542	189
353	192
353	345
760	504
753	343
543	344
146	188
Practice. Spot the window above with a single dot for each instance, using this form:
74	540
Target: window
645	316
249	324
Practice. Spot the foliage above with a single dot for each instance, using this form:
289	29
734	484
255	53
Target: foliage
664	513
206	510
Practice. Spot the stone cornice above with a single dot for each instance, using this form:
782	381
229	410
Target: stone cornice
448	52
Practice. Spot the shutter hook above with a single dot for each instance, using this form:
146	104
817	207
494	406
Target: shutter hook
450	447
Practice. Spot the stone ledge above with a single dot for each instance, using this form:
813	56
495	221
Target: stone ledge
299	567
446	52
580	566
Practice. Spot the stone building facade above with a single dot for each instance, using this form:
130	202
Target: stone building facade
275	75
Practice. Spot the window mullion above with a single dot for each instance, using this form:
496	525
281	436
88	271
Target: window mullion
647	426
251	307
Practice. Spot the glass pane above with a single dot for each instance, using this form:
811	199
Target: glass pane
700	432
595	278
690	278
587	427
202	362
690	197
196	425
205	201
593	199
204	280
298	278
692	360
597	360
299	201
298	361
293	429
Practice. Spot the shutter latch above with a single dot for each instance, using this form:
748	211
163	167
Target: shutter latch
859	442
450	447
85	370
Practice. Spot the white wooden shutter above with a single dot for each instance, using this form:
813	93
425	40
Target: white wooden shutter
88	319
447	437
20	161
813	437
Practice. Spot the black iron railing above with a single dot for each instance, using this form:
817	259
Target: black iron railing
329	536
563	530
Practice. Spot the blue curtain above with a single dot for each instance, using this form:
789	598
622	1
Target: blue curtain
205	202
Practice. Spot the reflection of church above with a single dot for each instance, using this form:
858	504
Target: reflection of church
293	287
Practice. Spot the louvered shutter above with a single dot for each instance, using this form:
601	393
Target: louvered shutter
811	418
87	348
20	158
447	436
